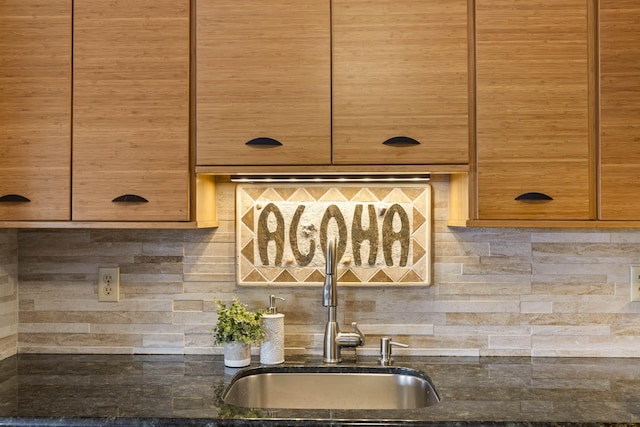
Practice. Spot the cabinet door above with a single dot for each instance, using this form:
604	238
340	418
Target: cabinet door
620	109
131	110
533	109
263	82
400	82
35	109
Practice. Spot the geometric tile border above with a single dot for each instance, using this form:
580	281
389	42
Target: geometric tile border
383	234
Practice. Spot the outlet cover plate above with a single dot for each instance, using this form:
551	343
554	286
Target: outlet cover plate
109	284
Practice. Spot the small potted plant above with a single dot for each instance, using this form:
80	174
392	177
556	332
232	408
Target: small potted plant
237	327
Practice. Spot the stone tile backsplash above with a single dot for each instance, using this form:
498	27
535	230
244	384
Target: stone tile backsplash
502	292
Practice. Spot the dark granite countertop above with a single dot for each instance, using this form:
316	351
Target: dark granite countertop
101	390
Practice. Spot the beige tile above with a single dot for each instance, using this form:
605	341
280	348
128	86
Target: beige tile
536	307
163	341
509	342
194	318
53	328
93	317
481	330
604	330
80	339
188	305
396	329
498	288
145	329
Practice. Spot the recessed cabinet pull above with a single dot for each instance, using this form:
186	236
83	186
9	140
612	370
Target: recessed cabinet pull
401	141
263	142
13	198
534	196
130	198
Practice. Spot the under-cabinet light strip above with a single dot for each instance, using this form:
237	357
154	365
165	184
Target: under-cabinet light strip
329	178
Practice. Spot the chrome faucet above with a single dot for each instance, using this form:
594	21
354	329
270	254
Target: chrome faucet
334	340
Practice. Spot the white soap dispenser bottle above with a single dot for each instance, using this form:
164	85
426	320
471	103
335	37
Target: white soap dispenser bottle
272	348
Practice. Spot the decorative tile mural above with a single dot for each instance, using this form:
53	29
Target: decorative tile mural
383	234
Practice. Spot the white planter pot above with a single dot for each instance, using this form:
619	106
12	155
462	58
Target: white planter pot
237	354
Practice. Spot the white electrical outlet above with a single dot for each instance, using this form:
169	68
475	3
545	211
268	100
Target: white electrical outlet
634	279
109	284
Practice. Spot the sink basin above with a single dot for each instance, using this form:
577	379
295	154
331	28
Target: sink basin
331	387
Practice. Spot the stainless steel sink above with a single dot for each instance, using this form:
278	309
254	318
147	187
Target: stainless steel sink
331	387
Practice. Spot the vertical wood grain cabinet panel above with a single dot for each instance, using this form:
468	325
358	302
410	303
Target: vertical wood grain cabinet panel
131	109
620	109
263	71
35	108
533	108
400	68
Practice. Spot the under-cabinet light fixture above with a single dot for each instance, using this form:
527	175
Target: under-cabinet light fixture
291	179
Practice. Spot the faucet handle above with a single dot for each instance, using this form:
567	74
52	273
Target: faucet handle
351	339
385	350
354	325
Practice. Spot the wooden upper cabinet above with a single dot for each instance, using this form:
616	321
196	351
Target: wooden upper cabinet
131	110
533	115
400	76
263	82
620	109
35	109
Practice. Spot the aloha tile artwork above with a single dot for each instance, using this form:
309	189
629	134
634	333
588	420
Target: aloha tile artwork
382	234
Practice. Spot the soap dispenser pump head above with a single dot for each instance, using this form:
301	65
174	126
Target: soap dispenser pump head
272	304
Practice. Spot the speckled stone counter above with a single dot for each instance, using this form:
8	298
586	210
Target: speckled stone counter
90	390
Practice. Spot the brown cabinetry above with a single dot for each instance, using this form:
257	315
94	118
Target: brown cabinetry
35	109
619	109
400	82
535	150
342	82
131	110
127	162
263	82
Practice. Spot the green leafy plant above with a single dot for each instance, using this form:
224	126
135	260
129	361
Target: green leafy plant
236	323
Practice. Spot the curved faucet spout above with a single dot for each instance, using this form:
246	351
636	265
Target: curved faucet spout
330	290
